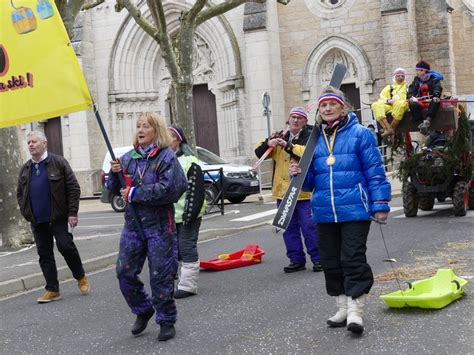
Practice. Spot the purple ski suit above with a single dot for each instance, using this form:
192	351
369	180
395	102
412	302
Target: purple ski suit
159	181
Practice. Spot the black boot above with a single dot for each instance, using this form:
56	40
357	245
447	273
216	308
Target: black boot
317	267
167	331
183	294
293	268
142	321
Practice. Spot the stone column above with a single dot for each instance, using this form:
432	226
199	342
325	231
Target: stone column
263	71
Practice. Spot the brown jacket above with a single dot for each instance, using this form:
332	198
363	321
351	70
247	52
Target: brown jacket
65	190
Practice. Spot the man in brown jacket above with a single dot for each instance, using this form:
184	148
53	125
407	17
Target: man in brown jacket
48	195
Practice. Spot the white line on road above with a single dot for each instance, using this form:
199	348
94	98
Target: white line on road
254	216
17	251
24	264
218	214
108	216
100	226
395	209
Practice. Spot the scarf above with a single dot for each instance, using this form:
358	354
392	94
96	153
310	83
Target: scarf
144	152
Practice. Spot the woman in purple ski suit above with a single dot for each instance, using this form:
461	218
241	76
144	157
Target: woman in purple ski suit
155	180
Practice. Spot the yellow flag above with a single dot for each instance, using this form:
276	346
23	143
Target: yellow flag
40	77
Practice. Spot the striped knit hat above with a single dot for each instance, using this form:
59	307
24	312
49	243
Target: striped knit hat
329	97
298	111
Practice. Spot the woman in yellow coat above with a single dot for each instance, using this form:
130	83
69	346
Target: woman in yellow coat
392	98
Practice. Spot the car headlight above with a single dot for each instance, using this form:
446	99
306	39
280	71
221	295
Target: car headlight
234	175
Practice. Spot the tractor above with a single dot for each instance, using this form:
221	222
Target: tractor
443	167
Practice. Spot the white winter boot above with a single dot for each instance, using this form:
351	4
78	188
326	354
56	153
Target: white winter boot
355	311
188	281
339	319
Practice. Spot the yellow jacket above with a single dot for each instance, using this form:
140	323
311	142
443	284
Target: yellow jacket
395	92
281	175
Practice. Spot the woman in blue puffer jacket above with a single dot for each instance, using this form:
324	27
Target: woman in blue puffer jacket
349	186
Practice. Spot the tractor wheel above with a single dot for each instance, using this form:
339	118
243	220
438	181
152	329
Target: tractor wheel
460	198
426	203
410	200
471	197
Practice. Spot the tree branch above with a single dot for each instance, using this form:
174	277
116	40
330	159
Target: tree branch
139	19
158	14
221	8
197	7
93	4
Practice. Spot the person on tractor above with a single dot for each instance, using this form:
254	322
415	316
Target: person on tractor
392	99
424	93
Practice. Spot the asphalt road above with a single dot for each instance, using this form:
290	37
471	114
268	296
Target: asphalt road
261	310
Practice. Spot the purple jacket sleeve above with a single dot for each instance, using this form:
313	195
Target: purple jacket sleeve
170	183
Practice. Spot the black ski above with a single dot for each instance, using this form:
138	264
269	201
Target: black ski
288	204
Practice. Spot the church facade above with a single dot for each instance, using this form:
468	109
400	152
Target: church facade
288	51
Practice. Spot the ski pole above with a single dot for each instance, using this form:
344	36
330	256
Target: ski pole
389	258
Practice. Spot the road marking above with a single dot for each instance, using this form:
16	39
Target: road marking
254	216
100	226
108	216
24	264
218	214
395	209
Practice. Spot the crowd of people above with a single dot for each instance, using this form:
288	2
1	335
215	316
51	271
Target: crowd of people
160	179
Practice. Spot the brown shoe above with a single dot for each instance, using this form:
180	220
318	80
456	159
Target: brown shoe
49	296
84	285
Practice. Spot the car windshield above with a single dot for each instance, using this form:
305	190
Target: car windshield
209	157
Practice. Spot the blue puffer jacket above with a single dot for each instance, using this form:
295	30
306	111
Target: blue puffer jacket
346	191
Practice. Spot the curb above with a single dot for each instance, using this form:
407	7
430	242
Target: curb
36	280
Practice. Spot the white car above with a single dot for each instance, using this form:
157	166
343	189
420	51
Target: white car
238	181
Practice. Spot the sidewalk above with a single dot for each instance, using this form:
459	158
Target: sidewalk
20	271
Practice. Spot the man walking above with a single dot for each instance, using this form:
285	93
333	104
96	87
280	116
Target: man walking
290	146
48	195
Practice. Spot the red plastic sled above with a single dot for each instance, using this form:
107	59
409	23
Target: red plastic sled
251	255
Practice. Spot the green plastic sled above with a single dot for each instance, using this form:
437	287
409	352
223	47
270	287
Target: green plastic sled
435	292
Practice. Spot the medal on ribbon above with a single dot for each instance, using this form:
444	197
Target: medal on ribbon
331	159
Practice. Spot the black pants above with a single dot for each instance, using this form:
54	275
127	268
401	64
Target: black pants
416	110
342	247
187	241
43	234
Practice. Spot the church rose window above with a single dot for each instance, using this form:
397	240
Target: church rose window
329	9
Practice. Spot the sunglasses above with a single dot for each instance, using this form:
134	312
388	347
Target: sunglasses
37	169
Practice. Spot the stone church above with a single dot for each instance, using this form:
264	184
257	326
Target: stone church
287	50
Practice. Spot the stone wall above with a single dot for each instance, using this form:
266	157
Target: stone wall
463	47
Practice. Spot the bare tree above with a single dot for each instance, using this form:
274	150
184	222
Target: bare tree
178	50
